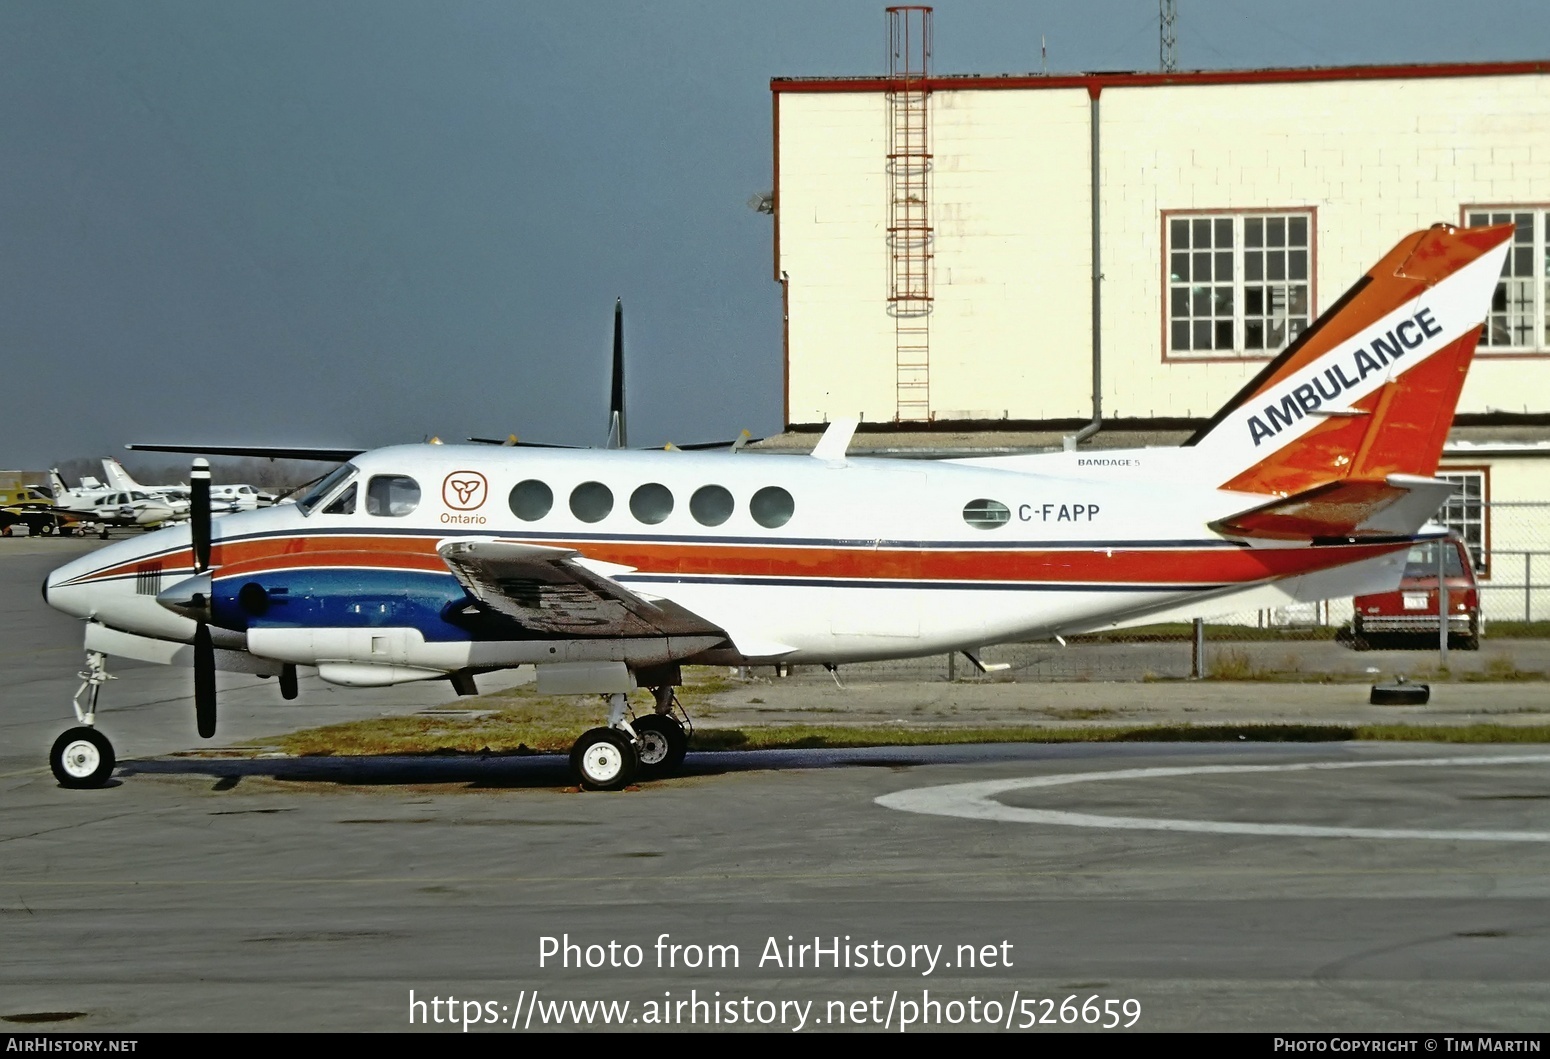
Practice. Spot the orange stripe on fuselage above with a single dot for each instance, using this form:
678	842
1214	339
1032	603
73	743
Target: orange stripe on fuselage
1042	564
266	555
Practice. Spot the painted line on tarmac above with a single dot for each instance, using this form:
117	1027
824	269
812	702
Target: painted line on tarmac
976	801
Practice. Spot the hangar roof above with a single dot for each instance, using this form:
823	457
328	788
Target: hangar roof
1096	81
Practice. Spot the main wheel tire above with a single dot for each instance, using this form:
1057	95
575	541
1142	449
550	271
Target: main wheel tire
604	759
82	758
662	744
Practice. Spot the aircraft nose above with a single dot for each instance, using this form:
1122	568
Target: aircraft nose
61	595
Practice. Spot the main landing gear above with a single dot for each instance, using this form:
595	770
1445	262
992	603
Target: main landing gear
82	757
649	747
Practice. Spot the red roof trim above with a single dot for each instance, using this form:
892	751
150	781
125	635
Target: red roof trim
1095	83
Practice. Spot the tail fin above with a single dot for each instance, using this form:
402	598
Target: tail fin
1369	390
117	477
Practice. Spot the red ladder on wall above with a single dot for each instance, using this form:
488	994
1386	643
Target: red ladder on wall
909	212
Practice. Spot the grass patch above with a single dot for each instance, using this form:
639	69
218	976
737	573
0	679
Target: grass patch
1455	733
1518	630
515	733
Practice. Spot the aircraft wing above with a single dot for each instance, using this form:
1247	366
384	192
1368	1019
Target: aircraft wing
271	452
546	589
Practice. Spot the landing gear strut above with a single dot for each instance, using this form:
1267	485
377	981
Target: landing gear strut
650	747
82	757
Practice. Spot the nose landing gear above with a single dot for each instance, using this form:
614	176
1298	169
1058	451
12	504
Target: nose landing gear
82	757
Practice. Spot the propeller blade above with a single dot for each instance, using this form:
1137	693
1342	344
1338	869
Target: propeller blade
199	513
617	437
204	680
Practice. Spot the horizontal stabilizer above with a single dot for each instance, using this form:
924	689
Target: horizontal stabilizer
1397	505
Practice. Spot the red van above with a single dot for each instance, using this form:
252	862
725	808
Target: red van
1410	611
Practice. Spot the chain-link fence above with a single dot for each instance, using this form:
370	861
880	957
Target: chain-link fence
1514	562
1508	543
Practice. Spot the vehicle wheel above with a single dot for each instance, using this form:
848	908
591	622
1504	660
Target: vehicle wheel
603	759
82	758
1359	641
104	533
1470	641
46	529
1400	693
662	744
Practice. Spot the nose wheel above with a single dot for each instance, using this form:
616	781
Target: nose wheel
82	758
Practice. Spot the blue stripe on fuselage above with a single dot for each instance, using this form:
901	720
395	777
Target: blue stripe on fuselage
342	598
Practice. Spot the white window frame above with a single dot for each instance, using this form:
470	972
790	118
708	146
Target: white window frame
1222	303
1519	320
1467	513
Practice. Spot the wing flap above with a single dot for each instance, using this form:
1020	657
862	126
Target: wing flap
551	590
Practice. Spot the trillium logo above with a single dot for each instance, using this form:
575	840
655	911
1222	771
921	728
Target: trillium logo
464	490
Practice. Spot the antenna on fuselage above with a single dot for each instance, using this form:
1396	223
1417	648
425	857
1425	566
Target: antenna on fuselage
617	438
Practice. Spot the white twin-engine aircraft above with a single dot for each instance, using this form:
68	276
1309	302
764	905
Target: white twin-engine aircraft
609	570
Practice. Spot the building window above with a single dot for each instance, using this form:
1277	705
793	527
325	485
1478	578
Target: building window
1464	514
1520	309
1239	284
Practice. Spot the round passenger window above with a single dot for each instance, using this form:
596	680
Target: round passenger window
771	507
591	501
531	500
986	514
711	505
392	495
651	503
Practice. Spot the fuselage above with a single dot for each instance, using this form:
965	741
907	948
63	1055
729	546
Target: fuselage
791	557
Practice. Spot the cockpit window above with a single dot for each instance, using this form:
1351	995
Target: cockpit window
323	489
393	495
344	504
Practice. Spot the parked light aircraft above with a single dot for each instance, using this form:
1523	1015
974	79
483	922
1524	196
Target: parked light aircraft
611	569
239	497
107	507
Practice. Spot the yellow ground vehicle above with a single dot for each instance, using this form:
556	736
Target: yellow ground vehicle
25	505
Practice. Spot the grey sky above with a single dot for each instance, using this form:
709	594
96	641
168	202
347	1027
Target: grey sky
344	223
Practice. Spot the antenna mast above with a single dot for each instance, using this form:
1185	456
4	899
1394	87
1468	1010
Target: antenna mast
1167	51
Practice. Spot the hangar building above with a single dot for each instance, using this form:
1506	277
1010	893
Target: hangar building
966	261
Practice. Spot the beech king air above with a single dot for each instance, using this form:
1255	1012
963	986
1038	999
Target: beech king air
610	570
